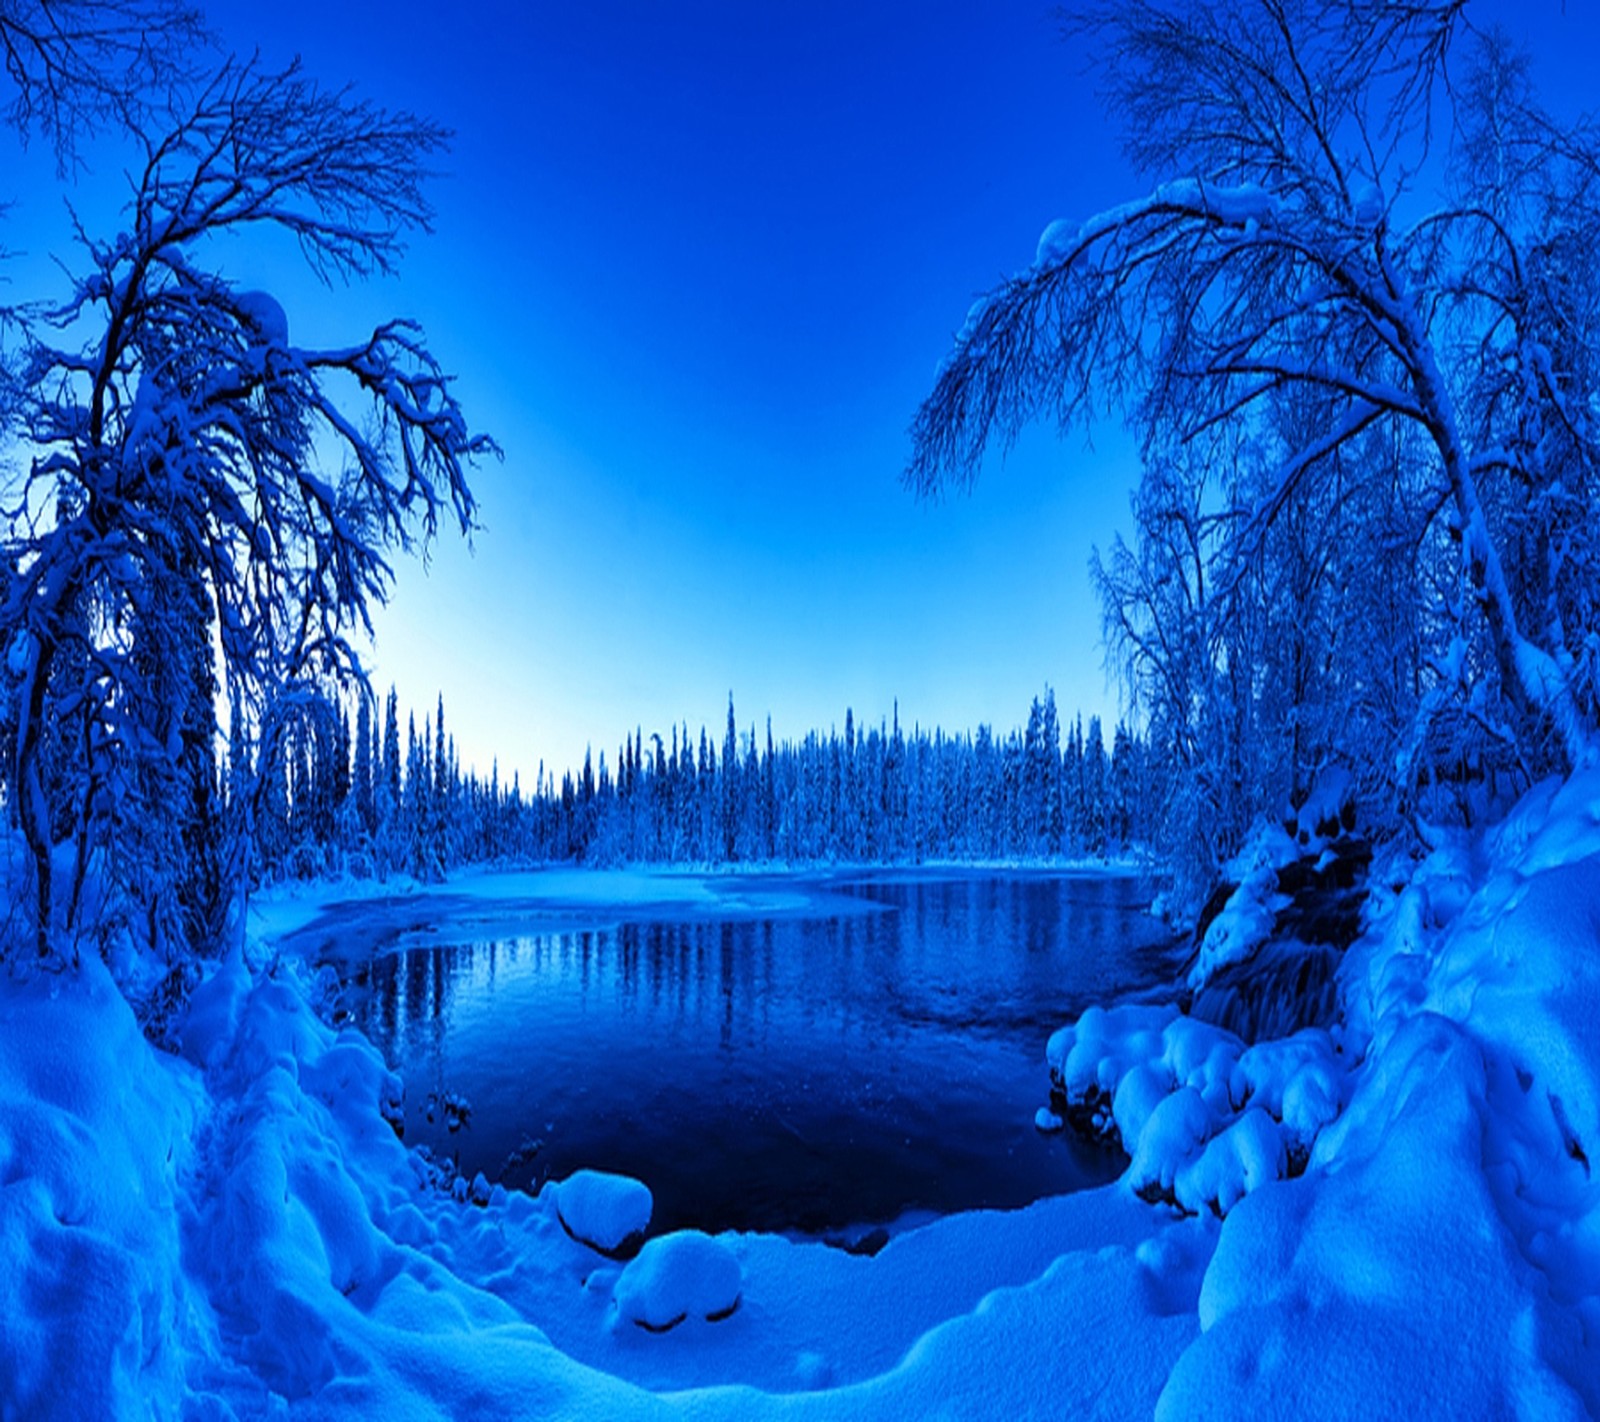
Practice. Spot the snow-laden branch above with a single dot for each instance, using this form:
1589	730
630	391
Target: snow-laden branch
1282	328
189	462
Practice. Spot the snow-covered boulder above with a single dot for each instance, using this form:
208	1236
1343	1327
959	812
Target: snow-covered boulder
677	1277
1247	1155
1173	1135
1203	1118
1297	1080
609	1213
1328	809
1244	920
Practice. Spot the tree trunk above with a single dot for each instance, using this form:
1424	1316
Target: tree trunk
35	805
1529	675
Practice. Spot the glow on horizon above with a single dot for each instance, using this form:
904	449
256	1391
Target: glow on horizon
694	272
694	268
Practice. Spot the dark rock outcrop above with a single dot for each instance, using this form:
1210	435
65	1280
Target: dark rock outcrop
1288	982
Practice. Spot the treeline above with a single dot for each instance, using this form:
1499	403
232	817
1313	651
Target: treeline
346	796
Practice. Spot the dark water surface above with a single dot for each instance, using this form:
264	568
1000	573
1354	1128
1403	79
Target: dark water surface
876	1051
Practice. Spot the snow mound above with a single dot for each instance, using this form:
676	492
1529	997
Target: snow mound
94	1308
211	1017
609	1213
677	1277
1203	1118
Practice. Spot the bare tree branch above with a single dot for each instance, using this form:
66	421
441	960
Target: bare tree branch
75	66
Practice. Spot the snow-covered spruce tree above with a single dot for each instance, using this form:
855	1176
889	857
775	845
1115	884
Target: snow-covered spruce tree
361	771
1343	255
169	425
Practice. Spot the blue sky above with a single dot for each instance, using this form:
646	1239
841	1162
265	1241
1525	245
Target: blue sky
694	266
694	270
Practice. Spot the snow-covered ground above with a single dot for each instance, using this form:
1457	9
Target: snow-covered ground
237	1231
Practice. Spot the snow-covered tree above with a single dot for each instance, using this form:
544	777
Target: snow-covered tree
362	784
729	808
1050	784
1341	252
167	421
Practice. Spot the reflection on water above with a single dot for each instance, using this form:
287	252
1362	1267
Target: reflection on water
793	1073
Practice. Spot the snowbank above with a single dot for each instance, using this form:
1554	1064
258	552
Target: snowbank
237	1231
1440	1253
1395	1217
97	1139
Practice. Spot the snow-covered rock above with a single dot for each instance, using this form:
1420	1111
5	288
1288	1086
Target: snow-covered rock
1328	809
609	1213
1246	917
1248	1154
1203	1118
1176	1130
677	1277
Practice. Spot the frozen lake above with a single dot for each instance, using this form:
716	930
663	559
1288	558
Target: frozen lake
798	1053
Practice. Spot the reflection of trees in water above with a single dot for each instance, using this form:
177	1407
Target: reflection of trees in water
945	948
404	998
686	970
1042	907
402	990
727	984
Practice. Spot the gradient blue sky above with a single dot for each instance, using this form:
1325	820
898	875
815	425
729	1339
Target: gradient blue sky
694	266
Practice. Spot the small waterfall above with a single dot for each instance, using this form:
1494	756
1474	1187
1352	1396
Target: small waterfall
1288	982
1283	987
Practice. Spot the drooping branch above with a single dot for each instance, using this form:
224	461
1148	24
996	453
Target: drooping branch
1279	269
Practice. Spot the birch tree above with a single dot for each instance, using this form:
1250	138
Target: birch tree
1336	224
187	465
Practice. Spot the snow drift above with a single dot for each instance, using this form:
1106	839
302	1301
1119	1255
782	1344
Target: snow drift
1396	1216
